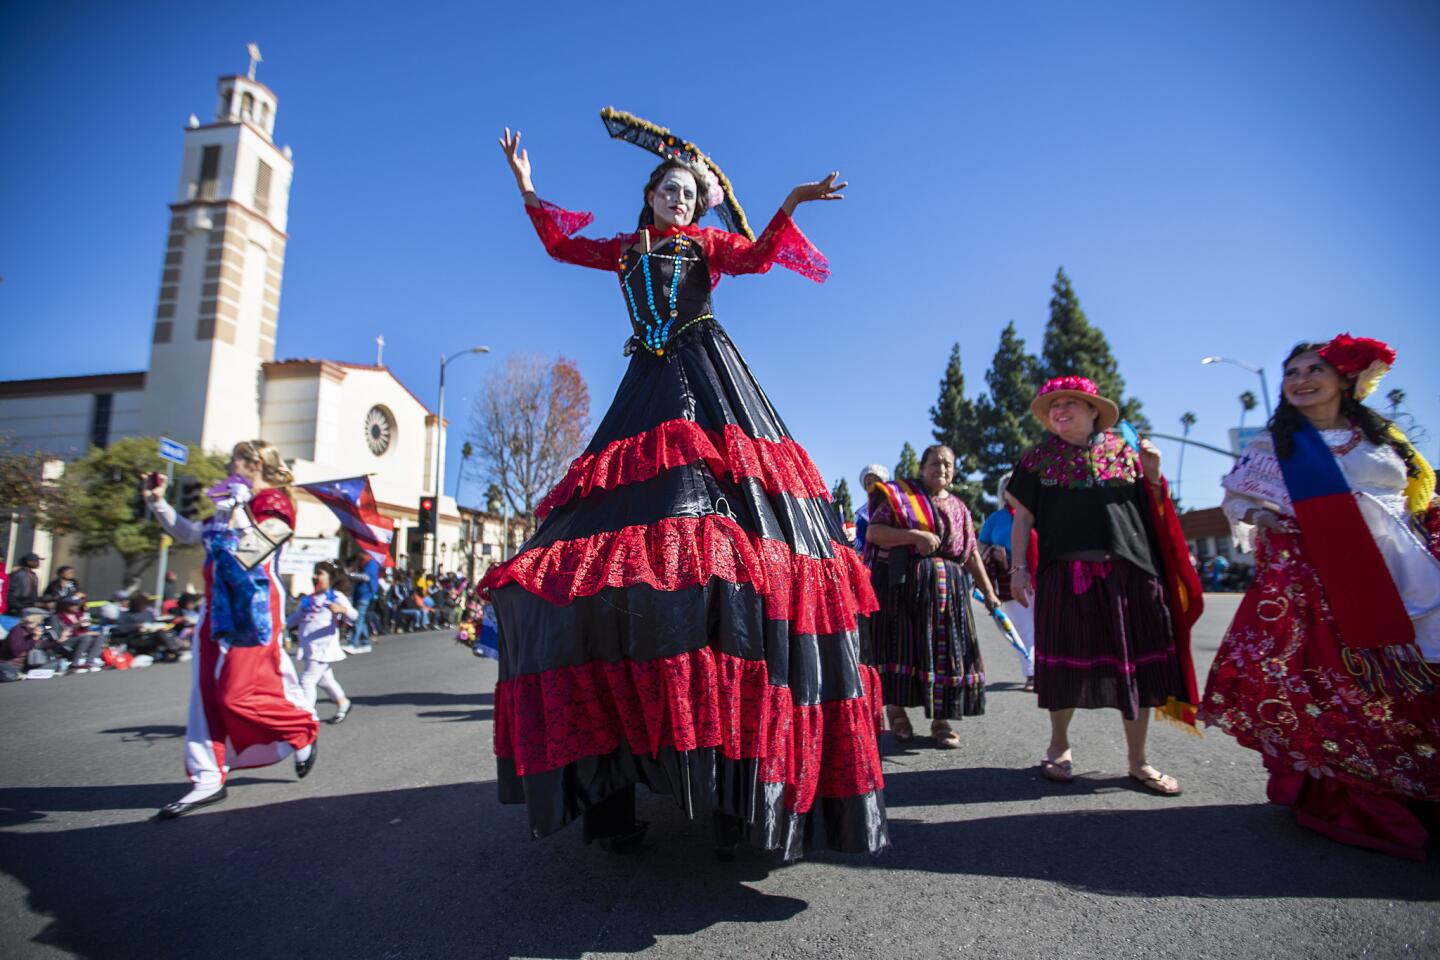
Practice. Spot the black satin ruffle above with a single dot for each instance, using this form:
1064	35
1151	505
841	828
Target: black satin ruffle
640	623
701	781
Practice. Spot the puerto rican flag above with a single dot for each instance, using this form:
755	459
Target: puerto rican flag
354	503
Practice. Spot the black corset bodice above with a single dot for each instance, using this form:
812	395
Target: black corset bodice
666	291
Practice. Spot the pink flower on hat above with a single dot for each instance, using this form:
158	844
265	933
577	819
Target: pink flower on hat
1082	384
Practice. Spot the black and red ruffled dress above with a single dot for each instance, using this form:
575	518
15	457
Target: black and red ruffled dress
687	615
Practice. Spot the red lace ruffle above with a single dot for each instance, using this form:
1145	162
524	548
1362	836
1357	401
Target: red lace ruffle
781	242
816	595
688	702
782	467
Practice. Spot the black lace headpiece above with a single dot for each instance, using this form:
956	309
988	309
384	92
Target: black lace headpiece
664	144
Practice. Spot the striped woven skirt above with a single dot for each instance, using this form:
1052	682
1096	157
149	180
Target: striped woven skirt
924	640
1103	638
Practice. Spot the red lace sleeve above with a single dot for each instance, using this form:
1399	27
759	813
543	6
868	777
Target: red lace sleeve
782	243
556	227
273	503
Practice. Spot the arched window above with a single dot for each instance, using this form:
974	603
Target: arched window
247	106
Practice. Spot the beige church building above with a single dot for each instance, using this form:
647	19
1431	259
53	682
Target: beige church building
214	380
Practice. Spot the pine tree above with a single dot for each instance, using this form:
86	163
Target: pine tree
909	465
1074	347
841	497
954	417
1007	428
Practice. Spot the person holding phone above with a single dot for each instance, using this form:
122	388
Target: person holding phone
247	708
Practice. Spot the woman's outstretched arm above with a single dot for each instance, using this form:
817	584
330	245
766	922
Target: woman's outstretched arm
555	225
781	242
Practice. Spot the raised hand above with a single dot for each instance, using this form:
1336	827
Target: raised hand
518	159
1150	459
826	189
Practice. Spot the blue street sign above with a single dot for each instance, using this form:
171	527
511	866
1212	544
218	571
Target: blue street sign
174	452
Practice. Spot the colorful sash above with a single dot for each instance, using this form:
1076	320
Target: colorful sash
909	502
1375	629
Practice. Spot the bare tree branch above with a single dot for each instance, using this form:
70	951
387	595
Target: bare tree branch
528	423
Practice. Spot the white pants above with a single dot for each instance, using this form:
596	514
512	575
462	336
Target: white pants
318	674
1024	620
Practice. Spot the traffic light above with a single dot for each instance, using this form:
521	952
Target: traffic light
427	515
187	498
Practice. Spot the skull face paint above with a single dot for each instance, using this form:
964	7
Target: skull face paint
673	200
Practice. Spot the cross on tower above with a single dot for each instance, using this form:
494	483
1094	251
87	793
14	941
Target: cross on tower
380	350
254	50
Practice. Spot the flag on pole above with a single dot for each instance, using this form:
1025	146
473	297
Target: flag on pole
354	503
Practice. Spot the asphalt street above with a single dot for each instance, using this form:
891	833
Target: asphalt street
395	847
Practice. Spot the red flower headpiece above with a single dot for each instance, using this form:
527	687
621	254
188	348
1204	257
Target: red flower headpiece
1364	358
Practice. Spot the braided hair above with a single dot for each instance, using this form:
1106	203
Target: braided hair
1288	419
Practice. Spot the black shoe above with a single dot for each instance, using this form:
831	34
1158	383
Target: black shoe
342	713
625	842
303	767
179	808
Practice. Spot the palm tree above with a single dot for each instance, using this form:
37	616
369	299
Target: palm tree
1394	398
1187	420
465	453
1248	402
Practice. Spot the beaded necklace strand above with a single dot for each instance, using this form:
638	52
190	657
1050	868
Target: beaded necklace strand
657	334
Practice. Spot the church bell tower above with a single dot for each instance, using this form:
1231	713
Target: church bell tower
219	303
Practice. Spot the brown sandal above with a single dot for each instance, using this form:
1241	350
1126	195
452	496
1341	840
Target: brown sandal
1059	771
945	736
900	727
1162	783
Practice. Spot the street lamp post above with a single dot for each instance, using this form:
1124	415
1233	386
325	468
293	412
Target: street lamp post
439	447
1259	371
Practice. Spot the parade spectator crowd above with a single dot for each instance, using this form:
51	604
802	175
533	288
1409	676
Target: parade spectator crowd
59	630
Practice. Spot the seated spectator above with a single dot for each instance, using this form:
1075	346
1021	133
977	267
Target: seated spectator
29	646
143	632
413	612
83	644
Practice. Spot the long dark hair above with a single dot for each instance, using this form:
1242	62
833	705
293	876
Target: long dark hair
702	190
1287	418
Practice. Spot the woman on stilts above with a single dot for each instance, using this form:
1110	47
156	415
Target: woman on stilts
688	615
246	705
1330	667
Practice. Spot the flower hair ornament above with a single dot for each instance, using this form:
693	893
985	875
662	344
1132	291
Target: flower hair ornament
666	145
1362	358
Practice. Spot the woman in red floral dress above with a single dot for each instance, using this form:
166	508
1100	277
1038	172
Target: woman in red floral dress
688	615
1329	668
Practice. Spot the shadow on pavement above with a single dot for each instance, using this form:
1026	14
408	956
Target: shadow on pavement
441	871
1172	849
424	699
148	734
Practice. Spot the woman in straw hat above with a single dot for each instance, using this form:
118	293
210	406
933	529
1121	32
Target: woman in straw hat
1107	595
1330	667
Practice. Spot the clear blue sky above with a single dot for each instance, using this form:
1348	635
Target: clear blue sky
1220	177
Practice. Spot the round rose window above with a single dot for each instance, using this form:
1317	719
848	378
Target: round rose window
379	430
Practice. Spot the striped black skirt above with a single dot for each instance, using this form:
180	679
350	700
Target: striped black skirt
924	641
1103	638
